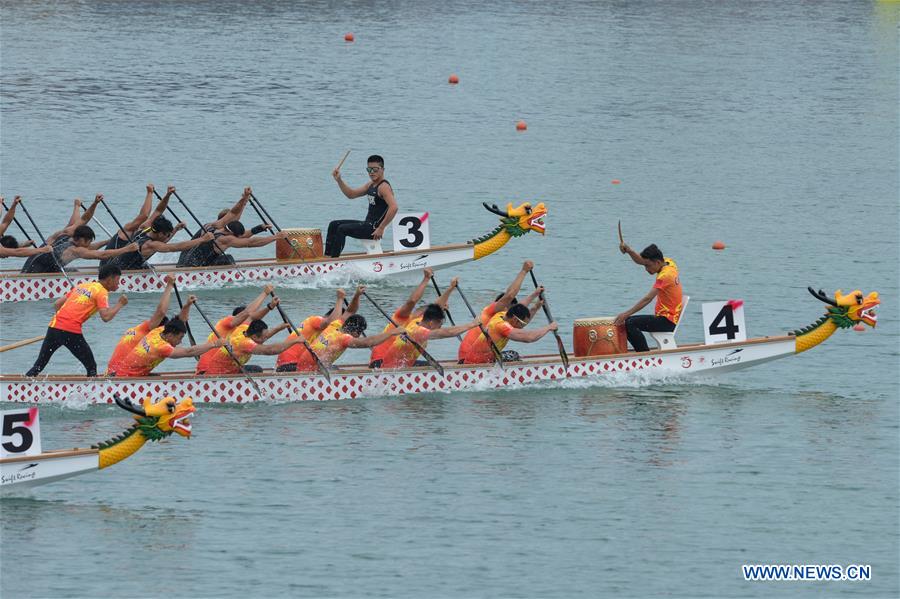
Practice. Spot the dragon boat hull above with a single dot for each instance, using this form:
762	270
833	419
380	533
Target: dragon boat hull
357	381
17	287
31	471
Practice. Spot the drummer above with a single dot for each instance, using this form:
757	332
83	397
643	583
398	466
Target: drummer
72	310
312	326
502	327
382	208
228	232
667	291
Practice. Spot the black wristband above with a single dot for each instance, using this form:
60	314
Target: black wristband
257	229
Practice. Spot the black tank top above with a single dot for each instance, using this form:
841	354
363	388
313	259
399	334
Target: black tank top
377	204
131	260
202	255
48	262
115	242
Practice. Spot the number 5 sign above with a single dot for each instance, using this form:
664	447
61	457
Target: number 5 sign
723	322
21	433
411	232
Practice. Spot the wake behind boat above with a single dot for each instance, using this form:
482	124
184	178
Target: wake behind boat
514	222
844	311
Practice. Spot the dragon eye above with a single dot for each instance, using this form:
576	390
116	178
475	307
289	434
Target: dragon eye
527	209
859	299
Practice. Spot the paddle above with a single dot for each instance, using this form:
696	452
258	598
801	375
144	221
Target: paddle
228	349
186	325
446	310
16	220
44	240
257	206
428	358
172	212
319	364
559	341
21	343
497	353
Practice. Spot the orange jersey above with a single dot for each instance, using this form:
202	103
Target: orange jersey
329	346
225	327
81	303
219	361
488	313
146	355
379	350
476	349
668	295
472	335
309	329
399	352
127	343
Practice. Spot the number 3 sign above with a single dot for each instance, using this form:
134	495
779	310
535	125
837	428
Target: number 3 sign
723	322
21	433
411	232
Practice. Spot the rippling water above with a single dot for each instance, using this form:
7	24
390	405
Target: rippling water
773	127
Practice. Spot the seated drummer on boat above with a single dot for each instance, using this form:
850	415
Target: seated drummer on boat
157	320
382	208
9	245
228	232
160	344
246	341
503	327
72	311
74	242
667	291
420	326
312	326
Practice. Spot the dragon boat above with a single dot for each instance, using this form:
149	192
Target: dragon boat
154	421
350	382
514	222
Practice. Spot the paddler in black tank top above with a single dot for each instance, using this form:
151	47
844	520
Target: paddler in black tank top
143	220
382	208
9	245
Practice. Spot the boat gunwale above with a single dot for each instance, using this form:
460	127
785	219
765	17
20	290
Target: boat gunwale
54	453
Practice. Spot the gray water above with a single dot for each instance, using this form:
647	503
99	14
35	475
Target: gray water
770	126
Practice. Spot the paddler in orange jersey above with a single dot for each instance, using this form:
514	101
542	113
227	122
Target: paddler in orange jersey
159	344
242	314
667	291
337	337
136	333
502	327
400	353
72	310
244	342
312	326
404	314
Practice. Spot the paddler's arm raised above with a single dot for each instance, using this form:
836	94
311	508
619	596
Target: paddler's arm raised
388	194
107	314
10	214
513	290
406	310
252	307
620	319
263	311
143	215
236	211
374	340
338	310
160	206
163	306
353	306
186	309
444	298
89	213
531	336
533	309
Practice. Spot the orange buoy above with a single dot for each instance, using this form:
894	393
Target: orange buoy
859	327
521	126
453	79
615	181
348	37
718	245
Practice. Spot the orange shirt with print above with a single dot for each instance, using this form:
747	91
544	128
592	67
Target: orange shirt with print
225	327
486	315
146	355
219	361
668	295
477	349
81	303
309	329
329	346
127	343
400	353
379	350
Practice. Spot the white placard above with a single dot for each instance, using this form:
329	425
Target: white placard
411	231
723	322
21	433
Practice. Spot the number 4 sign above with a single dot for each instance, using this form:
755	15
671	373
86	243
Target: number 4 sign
21	433
411	232
723	322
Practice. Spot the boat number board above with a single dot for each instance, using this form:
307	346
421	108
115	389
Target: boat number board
723	322
410	231
21	433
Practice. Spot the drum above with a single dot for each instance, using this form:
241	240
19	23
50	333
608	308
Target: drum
599	337
307	242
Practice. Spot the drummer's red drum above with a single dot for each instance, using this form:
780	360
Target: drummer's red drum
307	242
599	337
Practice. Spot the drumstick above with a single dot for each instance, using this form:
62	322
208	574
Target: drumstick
341	163
621	240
